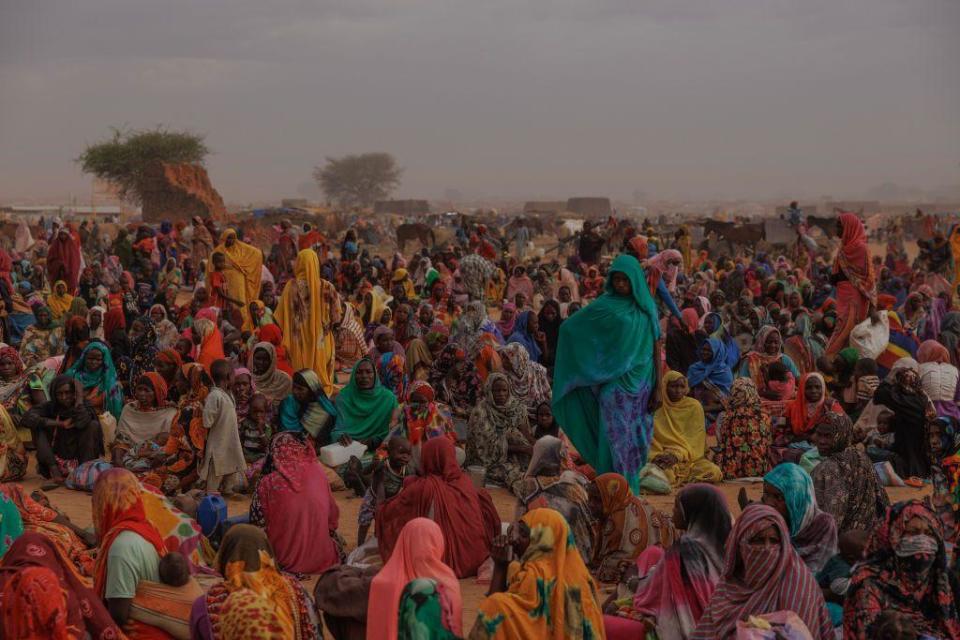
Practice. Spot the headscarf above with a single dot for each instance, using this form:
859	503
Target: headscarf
273	384
721	333
678	427
760	579
11	523
425	612
522	336
506	327
104	378
57	303
803	415
528	379
210	348
315	415
813	532
884	581
716	372
118	507
246	615
417	554
550	594
656	268
364	414
271	333
853	257
933	351
247	261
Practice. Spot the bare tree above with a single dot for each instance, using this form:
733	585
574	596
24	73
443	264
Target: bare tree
358	180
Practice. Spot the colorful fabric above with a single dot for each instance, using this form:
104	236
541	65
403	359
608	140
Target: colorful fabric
425	612
103	381
210	348
550	593
812	532
528	379
392	372
243	272
417	554
521	335
491	429
918	585
604	375
716	372
246	615
629	525
853	257
13	455
274	384
465	514
678	428
313	417
803	415
743	433
292	497
38	518
364	414
179	532
11	524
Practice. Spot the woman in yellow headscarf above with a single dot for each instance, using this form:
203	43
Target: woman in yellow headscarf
677	452
402	277
307	312
244	266
59	300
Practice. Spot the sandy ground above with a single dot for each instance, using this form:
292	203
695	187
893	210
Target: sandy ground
77	505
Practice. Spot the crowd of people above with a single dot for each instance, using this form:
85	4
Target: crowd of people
170	370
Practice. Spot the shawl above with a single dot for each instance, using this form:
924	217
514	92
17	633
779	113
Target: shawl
527	378
608	347
426	612
243	273
62	589
40	519
853	257
312	417
402	277
717	372
293	498
500	417
144	349
812	532
801	416
678	427
520	284
364	414
465	514
104	379
678	589
760	579
506	326
211	342
246	561
522	336
167	333
246	615
11	524
11	449
273	384
98	333
117	507
656	268
63	261
758	359
880	583
417	554
550	593
271	333
721	333
932	351
565	278
57	303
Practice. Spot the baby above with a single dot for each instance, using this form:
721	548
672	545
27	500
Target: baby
147	455
255	431
834	578
387	481
174	569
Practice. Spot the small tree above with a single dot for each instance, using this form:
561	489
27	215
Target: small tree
358	180
123	159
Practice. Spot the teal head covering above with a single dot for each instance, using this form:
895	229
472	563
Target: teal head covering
604	375
421	612
364	414
104	378
797	488
313	417
11	524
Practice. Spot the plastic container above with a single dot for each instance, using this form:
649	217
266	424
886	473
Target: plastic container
334	455
211	512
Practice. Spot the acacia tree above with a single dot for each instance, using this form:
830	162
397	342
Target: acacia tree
122	160
358	180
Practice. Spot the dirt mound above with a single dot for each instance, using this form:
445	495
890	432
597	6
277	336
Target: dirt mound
179	192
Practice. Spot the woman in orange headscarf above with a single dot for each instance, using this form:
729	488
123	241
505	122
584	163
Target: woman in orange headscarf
854	279
308	309
244	267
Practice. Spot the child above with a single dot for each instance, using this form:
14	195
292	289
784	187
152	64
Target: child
255	430
834	578
223	452
174	569
386	482
866	381
780	383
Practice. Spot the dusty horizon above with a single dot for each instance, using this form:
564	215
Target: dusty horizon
682	100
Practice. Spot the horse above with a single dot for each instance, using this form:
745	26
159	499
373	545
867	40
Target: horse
749	233
418	231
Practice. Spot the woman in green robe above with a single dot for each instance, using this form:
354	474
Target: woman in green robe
364	406
606	373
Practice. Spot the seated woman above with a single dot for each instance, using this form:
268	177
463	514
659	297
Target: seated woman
813	533
95	371
710	378
549	483
939	378
456	381
40	586
912	412
293	503
13	455
743	433
672	595
144	426
767	348
364	407
20	388
65	430
307	408
762	574
42	339
442	492
627	525
678	450
273	383
498	435
418	554
520	605
904	572
526	333
844	481
130	546
425	605
419	419
528	379
810	406
246	562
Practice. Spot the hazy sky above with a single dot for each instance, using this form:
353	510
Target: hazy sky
690	98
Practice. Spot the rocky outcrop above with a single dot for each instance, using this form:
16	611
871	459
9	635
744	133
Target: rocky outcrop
180	192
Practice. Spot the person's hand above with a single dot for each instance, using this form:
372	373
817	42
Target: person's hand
541	337
344	440
500	549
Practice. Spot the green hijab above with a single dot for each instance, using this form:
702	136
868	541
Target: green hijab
364	414
11	524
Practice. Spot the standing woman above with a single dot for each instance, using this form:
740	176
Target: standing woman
605	373
308	310
854	280
243	272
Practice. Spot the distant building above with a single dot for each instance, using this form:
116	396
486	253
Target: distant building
590	207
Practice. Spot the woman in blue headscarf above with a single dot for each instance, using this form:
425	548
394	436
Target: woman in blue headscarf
714	327
606	373
813	533
526	332
710	378
95	371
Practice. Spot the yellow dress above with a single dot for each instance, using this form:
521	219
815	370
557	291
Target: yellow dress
307	311
244	268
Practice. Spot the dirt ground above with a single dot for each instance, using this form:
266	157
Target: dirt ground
77	505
